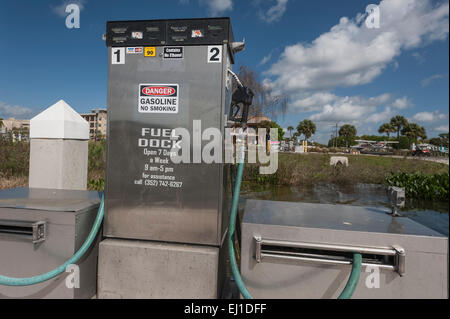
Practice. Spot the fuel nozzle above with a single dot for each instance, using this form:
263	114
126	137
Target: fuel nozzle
240	103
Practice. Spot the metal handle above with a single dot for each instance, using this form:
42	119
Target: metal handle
35	231
314	252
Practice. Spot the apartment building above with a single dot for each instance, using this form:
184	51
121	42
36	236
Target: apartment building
17	130
97	120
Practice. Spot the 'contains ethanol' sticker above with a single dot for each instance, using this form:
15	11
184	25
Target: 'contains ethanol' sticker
173	53
158	98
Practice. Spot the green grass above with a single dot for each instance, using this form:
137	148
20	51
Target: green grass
96	165
14	159
14	164
305	169
293	169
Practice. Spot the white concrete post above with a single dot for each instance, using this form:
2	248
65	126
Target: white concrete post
334	160
58	149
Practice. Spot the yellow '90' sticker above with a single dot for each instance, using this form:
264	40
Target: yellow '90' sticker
149	51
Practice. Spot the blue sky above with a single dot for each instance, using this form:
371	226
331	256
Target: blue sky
320	54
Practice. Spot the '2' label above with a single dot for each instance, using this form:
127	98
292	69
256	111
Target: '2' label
214	54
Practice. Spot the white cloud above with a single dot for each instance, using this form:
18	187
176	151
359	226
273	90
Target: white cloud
331	107
265	59
381	99
216	7
351	54
419	57
346	111
275	12
314	102
402	103
382	116
427	81
60	10
16	111
351	109
428	116
365	113
441	129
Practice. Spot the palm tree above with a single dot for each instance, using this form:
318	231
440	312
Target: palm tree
423	133
413	131
290	129
348	131
386	128
398	122
442	136
307	128
295	137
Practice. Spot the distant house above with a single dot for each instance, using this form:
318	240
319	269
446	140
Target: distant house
12	123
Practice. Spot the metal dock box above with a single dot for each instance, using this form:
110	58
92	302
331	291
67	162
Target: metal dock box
304	250
40	229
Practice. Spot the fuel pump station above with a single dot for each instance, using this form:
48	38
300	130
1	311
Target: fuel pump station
163	75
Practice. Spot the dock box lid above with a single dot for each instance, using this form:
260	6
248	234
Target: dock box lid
336	217
48	199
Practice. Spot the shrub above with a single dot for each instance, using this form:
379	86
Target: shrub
96	184
403	143
418	185
97	155
14	158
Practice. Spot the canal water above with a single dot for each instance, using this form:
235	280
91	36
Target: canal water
429	213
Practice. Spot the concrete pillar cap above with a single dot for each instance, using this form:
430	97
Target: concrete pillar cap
59	121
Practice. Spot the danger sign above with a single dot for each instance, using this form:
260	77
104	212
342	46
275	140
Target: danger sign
158	98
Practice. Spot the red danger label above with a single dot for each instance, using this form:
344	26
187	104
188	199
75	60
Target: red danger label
158	90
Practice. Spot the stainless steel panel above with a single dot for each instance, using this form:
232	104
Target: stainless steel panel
424	268
144	269
65	233
192	213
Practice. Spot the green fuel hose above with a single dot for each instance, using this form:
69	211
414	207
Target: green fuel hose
10	281
357	258
233	216
353	279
